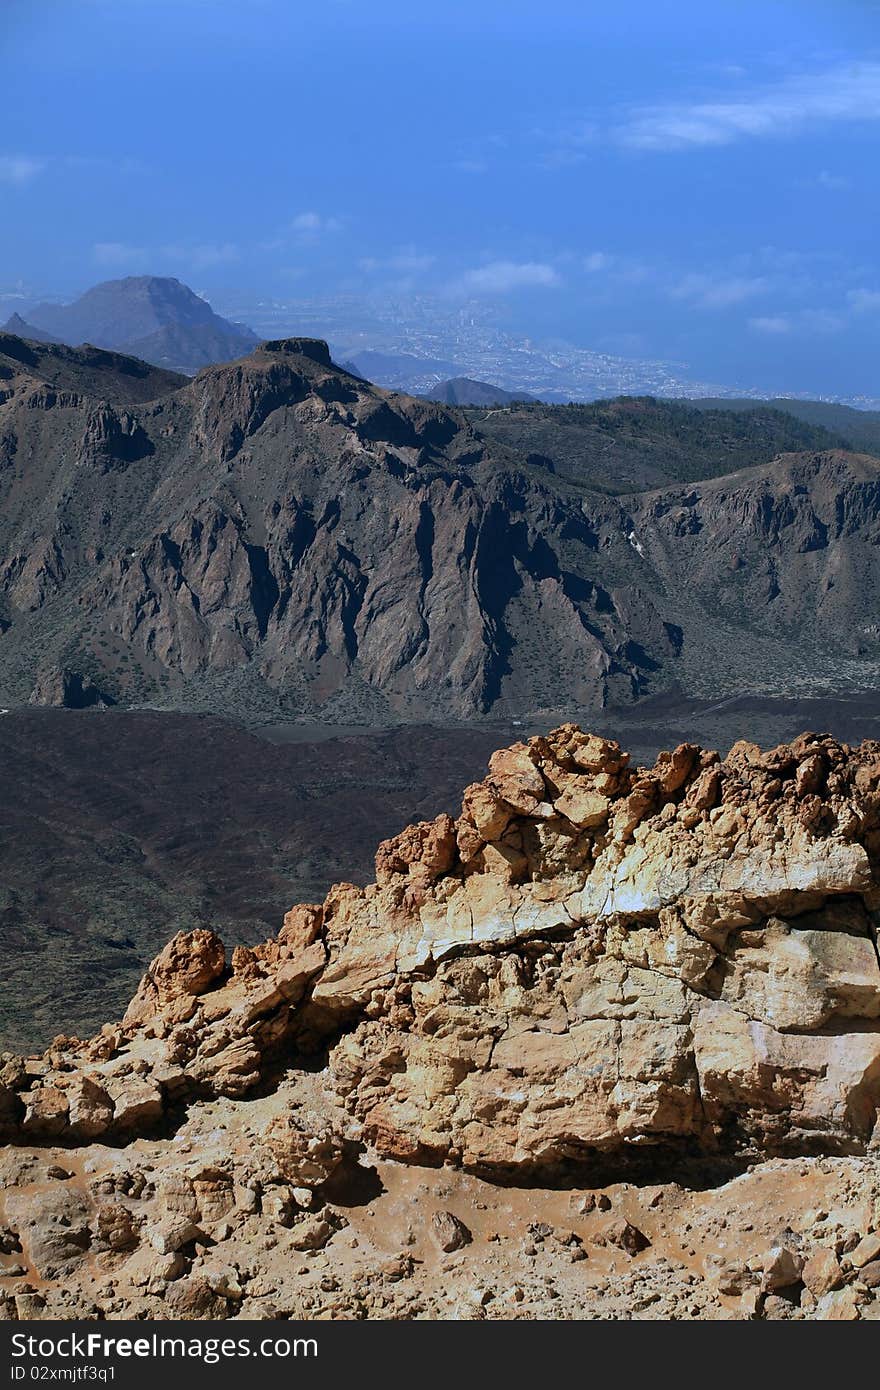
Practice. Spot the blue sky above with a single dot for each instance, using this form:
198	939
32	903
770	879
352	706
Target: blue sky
688	181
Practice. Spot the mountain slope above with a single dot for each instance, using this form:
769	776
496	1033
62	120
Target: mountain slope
785	553
153	317
860	428
278	537
87	371
463	390
637	442
22	329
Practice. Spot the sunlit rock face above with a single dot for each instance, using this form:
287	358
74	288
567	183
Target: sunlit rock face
591	958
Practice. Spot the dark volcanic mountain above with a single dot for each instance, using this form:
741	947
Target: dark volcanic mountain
463	390
279	538
148	316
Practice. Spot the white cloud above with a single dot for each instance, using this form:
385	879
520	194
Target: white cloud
775	325
407	261
314	224
304	229
118	253
204	255
803	321
596	261
200	256
20	168
849	93
832	183
717	292
864	301
499	277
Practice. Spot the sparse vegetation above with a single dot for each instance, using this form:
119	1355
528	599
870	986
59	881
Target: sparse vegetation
634	443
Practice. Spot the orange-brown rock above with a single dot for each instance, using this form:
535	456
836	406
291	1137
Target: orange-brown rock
592	959
422	851
304	1158
185	968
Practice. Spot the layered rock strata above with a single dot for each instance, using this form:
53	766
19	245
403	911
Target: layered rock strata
593	958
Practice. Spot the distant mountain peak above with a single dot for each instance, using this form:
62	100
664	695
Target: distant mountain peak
154	317
22	329
464	390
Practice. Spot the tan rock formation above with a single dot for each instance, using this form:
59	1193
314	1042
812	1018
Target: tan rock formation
592	962
593	957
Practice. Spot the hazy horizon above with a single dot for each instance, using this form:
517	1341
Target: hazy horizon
683	186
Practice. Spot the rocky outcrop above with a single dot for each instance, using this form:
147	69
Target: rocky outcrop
68	690
591	959
594	968
681	954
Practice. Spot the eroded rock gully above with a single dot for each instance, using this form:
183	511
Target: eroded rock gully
595	967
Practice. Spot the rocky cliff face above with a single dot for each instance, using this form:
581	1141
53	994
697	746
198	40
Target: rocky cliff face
593	964
776	536
591	957
318	539
281	537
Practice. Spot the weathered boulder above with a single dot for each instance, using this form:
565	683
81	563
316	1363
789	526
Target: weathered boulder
449	1231
305	1156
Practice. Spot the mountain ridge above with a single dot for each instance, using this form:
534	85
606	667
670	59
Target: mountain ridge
633	443
94	373
860	427
281	535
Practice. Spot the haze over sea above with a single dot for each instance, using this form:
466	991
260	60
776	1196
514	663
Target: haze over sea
690	187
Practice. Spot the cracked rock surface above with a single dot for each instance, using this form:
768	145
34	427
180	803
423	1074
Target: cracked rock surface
597	978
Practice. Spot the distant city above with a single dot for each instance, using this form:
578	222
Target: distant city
414	343
436	340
